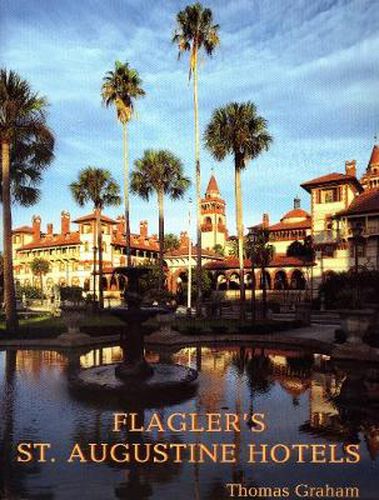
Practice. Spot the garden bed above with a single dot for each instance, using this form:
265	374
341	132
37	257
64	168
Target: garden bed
195	327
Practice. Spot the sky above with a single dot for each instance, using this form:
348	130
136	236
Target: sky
311	68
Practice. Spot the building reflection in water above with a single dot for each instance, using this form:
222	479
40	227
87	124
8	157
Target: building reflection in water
338	401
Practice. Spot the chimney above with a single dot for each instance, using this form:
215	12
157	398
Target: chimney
296	203
36	224
184	239
351	168
143	228
120	225
265	221
65	222
50	229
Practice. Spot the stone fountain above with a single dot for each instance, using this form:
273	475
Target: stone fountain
134	378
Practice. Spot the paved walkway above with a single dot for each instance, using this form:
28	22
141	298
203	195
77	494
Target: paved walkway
314	338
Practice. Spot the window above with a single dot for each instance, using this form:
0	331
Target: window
329	196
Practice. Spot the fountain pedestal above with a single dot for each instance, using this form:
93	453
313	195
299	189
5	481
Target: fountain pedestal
134	378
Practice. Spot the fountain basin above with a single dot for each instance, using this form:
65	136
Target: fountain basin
165	379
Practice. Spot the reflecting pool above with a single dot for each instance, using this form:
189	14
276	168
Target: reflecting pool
306	398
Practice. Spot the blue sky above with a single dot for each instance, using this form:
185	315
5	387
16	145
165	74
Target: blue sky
310	67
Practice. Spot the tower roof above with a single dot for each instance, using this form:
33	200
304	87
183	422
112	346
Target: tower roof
374	159
212	188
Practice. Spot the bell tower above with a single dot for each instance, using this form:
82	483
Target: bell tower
213	219
370	179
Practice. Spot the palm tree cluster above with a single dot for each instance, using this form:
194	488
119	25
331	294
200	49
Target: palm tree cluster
27	146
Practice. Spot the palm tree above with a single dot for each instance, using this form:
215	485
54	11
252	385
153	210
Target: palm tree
120	88
40	267
162	172
195	33
261	253
306	252
96	185
238	130
27	146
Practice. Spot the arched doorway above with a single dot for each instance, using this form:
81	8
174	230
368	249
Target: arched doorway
267	280
280	281
221	282
298	281
234	281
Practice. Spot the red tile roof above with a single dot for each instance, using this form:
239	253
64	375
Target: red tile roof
92	216
296	213
288	226
137	242
367	202
279	260
53	241
183	251
374	160
23	229
333	178
212	185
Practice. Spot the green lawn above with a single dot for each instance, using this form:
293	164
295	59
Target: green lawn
46	326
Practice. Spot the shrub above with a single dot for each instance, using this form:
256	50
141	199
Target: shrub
71	293
29	292
340	336
339	289
192	330
219	329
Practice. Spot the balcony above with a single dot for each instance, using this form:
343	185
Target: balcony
372	229
328	236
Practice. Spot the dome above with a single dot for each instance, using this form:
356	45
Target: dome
296	213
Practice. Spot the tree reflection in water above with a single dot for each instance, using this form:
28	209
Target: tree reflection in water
339	400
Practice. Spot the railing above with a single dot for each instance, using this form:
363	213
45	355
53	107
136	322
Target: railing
371	229
327	236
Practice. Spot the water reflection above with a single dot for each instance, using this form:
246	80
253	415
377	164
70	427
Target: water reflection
306	397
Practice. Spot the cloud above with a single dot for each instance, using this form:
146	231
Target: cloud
311	68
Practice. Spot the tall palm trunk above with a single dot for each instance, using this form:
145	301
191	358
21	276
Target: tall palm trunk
94	262
198	182
9	288
126	193
161	236
239	224
41	285
100	252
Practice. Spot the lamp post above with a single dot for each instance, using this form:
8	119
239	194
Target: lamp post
252	235
320	256
189	281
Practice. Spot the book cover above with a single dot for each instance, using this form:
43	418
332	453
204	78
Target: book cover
189	266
